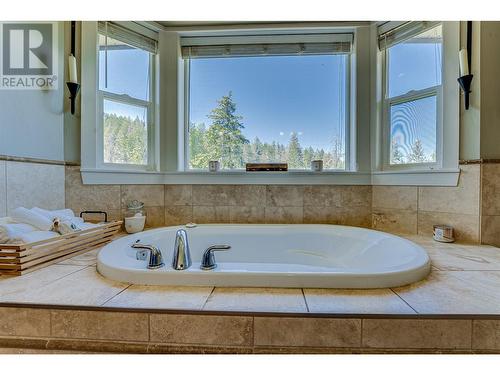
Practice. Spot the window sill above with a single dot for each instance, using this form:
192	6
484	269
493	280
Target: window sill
99	176
127	177
439	177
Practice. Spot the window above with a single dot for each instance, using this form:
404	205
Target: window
125	96
268	102
412	100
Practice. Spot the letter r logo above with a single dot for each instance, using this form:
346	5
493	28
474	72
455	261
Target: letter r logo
27	49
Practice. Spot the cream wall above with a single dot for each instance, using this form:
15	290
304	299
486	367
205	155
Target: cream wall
32	121
479	129
32	126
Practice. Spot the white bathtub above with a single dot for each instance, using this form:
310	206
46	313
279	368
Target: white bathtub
308	256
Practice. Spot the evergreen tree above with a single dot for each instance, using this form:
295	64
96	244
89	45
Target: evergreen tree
308	156
397	156
337	155
197	145
224	139
258	150
417	154
295	157
125	139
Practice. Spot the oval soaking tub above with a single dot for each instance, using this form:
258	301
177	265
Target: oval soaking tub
308	256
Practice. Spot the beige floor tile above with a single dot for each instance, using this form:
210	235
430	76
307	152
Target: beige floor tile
446	293
416	333
85	288
201	329
256	299
10	287
86	259
304	332
361	301
463	259
161	297
486	334
24	322
484	282
100	325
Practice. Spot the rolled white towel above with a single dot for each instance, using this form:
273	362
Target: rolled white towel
11	231
23	215
35	236
65	213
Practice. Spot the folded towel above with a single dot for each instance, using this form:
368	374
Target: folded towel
37	235
14	230
62	214
23	215
37	224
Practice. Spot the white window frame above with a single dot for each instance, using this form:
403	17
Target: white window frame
290	38
365	111
93	155
445	169
436	91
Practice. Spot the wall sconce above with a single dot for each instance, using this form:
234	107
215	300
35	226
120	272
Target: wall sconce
464	56
73	85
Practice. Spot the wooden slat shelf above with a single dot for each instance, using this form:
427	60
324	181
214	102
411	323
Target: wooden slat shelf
19	259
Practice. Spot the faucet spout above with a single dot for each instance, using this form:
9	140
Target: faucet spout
182	257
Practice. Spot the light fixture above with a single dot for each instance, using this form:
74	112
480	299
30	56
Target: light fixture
73	85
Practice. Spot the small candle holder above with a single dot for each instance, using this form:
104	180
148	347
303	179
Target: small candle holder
465	83
74	88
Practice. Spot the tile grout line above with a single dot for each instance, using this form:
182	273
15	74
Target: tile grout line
305	300
120	292
362	329
418	205
402	299
205	303
471	333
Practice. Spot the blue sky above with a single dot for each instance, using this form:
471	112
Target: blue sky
283	94
275	95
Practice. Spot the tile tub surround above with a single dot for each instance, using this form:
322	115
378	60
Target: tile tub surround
415	209
253	204
395	209
30	184
69	307
47	329
490	204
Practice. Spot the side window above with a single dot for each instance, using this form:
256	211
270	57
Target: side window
125	98
412	101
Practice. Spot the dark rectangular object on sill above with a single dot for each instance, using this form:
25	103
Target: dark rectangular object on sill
266	167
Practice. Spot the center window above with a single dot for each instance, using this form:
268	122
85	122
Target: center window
268	102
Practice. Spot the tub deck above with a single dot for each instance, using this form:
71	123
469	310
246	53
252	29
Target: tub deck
456	309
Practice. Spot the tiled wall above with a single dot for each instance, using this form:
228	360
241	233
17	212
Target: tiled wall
395	209
415	209
29	185
490	202
119	331
179	204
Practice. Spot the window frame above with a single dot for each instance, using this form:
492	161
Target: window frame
365	110
412	95
151	118
348	128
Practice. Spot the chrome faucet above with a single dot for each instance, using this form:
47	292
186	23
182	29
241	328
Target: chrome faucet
208	259
182	258
155	256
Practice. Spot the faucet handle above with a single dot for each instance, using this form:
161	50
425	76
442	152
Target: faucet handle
208	258
155	257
